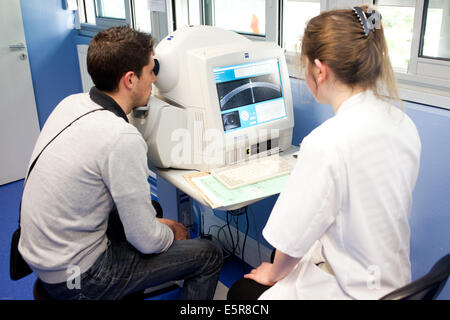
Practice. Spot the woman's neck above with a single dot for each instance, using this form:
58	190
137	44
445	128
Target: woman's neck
340	94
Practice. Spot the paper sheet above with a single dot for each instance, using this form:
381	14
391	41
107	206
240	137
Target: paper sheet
218	195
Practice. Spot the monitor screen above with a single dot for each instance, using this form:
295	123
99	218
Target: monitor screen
249	94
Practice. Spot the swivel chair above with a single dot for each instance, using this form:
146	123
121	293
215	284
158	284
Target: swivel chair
427	287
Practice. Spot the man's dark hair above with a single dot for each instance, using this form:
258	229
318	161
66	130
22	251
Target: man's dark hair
114	52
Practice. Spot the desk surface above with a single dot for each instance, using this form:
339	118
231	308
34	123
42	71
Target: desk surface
176	178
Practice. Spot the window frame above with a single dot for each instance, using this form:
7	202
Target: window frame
109	21
292	57
101	23
417	62
272	18
161	22
422	83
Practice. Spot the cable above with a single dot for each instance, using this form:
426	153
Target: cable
235	217
245	238
257	235
238	240
229	230
235	247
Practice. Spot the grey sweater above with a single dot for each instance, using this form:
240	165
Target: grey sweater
99	161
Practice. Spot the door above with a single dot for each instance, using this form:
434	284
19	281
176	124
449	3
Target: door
19	127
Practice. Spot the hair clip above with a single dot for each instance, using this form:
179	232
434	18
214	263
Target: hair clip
369	21
363	20
373	19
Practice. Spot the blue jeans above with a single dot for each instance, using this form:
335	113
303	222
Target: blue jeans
122	270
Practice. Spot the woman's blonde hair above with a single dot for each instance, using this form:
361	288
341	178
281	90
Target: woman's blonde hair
337	38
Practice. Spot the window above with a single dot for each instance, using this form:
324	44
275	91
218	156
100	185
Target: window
417	31
398	24
435	42
257	19
429	67
87	12
111	9
248	17
418	37
95	15
144	15
295	16
142	19
187	12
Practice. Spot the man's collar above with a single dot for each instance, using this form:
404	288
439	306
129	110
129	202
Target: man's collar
107	102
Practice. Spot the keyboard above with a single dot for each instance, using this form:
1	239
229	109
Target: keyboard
252	171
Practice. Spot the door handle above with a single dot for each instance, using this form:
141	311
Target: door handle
18	46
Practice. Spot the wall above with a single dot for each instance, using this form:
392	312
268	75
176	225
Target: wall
50	35
430	216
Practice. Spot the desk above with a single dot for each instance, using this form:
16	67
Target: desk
175	177
185	209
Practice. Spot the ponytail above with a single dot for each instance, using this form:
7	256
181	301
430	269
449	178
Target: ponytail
357	53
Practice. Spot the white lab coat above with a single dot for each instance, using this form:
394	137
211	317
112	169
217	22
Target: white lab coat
348	201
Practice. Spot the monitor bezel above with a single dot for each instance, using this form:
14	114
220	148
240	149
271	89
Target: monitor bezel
250	55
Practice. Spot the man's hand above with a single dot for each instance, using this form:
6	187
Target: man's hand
180	232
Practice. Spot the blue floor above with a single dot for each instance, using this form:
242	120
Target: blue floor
10	195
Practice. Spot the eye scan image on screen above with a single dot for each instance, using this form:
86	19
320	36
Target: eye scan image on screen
249	94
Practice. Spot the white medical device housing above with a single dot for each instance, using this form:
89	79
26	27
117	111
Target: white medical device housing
219	99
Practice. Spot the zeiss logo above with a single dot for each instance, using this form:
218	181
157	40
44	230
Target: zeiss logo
246	55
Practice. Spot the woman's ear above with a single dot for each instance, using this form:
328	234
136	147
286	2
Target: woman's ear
322	71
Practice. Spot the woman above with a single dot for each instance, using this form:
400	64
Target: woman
340	227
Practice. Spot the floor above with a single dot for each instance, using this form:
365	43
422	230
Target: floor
10	195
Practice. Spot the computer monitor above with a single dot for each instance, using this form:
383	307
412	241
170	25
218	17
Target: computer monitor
249	94
227	99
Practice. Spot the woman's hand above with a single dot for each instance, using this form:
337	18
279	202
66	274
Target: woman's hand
269	273
262	274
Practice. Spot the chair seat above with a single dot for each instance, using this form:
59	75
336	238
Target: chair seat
39	292
427	287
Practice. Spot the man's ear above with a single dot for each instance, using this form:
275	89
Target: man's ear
127	79
322	71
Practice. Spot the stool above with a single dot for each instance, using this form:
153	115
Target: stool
39	292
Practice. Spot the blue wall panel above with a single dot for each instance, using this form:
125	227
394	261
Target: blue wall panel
50	33
430	216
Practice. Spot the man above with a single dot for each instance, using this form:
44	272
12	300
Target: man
98	166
